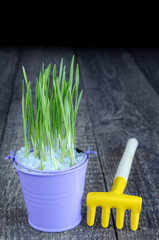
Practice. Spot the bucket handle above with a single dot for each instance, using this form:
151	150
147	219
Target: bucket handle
88	152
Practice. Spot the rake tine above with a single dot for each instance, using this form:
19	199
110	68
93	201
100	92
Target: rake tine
105	217
120	218
134	220
91	211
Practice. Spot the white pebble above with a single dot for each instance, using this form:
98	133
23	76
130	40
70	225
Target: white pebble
35	163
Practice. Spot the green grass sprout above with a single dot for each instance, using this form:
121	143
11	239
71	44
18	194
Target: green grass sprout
51	123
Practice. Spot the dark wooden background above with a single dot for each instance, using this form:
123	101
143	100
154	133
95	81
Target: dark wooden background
120	100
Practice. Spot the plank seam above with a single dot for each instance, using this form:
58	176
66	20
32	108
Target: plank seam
100	161
11	95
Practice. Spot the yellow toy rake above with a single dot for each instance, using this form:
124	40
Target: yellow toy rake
116	198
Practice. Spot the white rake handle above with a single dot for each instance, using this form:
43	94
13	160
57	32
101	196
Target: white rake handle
127	158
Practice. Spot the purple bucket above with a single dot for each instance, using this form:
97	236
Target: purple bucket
53	199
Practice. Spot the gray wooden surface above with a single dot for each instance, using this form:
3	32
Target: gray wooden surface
121	100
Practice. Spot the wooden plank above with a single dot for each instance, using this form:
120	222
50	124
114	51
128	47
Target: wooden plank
148	62
122	104
13	213
9	59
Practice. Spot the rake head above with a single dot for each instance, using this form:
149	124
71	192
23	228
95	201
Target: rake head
108	200
116	198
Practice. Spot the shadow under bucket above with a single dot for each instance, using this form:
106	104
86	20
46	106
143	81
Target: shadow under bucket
53	199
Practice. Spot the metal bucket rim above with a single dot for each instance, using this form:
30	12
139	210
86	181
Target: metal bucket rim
36	172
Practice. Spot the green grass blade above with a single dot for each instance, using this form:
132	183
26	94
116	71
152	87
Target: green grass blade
71	72
54	72
25	76
60	72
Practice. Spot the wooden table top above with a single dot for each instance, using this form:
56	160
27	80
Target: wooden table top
120	101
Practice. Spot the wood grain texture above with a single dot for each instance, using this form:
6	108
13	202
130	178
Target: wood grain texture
122	104
14	223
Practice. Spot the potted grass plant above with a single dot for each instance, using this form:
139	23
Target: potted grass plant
50	167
